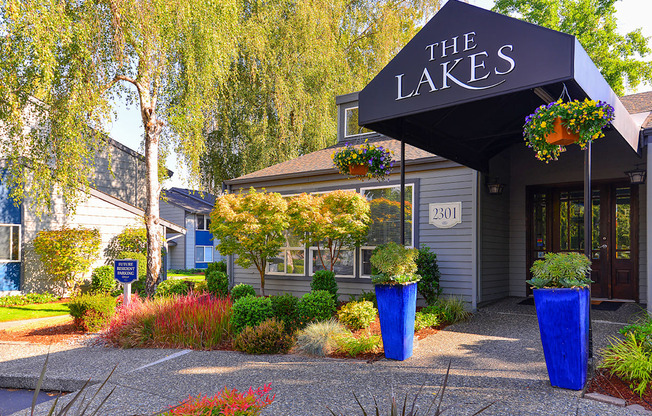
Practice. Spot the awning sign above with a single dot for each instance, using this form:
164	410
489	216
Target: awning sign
445	215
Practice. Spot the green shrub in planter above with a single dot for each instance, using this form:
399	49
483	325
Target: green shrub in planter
395	265
173	287
241	290
91	312
561	270
316	306
250	311
285	310
102	280
357	315
428	269
324	280
218	283
269	337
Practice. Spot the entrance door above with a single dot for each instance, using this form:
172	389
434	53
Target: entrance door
556	224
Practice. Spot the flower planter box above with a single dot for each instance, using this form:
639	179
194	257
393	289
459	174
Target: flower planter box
563	316
397	308
561	136
358	170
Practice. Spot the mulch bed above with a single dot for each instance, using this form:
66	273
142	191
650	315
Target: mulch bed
46	333
605	383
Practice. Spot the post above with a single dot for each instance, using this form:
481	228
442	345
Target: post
588	228
127	293
402	191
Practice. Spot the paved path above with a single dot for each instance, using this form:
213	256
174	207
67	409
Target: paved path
495	357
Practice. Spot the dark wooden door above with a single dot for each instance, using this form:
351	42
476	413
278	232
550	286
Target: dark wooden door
556	224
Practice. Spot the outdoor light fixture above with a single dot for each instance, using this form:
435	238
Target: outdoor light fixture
636	176
494	187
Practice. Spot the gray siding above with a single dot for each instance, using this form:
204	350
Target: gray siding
189	222
455	247
175	214
611	157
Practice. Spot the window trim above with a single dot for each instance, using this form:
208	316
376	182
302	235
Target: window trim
212	249
11	241
346	123
206	217
283	250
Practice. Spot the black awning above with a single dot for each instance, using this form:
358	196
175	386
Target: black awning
462	87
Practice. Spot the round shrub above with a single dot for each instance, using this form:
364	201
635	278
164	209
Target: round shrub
91	312
218	283
241	290
250	311
427	268
324	280
267	338
201	287
173	287
285	310
218	266
102	280
357	315
316	306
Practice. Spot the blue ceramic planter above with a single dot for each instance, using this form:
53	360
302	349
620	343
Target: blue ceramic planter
563	316
397	306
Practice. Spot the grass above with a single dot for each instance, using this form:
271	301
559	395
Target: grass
42	310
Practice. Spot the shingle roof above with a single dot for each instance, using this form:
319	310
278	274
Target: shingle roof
192	201
638	103
321	159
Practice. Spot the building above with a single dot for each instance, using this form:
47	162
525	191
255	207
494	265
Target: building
457	96
116	201
196	248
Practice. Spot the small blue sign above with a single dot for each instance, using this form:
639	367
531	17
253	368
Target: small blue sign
125	271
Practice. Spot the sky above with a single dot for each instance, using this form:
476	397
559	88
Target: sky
127	127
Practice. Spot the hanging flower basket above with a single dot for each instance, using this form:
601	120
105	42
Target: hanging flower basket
366	161
552	127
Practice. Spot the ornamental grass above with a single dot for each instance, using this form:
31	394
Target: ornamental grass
192	321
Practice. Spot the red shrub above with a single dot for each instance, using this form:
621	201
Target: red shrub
227	403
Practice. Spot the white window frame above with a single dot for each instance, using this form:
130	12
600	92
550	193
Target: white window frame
211	249
11	243
314	249
359	251
205	222
346	123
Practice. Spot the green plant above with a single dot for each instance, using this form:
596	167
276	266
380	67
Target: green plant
67	253
449	310
217	282
188	272
352	346
285	310
92	312
364	295
218	266
395	264
428	269
375	158
641	330
241	290
27	298
559	270
319	338
201	287
324	280
269	337
357	315
630	360
131	239
173	287
102	280
250	311
316	306
587	118
228	402
426	320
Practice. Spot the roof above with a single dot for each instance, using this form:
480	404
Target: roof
638	103
321	161
190	200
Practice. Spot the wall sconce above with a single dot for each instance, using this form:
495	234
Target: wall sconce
494	187
636	176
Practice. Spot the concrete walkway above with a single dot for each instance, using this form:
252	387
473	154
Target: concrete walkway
496	357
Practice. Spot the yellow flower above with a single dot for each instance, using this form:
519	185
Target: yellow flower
543	124
355	156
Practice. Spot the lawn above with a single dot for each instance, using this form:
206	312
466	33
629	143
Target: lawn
189	277
42	310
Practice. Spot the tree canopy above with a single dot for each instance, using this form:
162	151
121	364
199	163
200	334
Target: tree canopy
294	57
594	24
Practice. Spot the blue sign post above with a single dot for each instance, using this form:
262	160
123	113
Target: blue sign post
126	271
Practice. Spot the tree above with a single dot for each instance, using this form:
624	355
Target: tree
252	226
332	222
67	61
68	253
593	22
294	58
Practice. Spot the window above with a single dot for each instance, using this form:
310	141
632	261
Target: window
203	222
9	242
204	254
351	127
385	211
291	259
344	267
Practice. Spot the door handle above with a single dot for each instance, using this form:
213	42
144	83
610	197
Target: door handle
603	246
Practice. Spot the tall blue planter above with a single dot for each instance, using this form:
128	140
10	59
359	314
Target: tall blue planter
397	305
563	316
